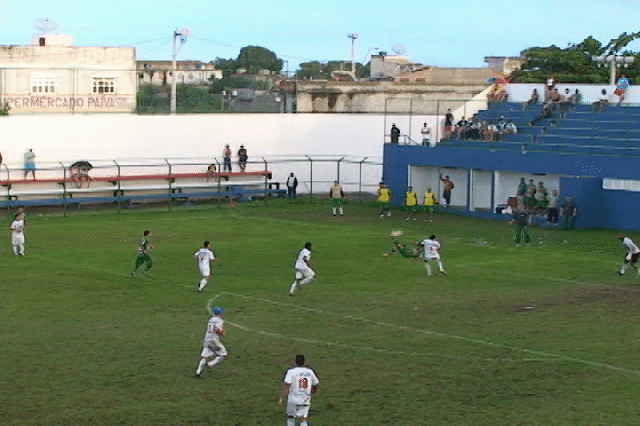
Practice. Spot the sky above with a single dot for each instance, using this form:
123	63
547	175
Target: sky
444	34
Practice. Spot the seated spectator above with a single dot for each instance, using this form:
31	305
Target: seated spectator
549	86
601	103
576	98
510	128
567	102
211	170
555	98
544	113
532	100
497	94
458	129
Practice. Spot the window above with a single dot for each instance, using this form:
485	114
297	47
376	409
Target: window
104	85
43	84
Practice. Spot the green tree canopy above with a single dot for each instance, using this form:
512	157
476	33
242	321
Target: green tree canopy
319	70
574	64
256	58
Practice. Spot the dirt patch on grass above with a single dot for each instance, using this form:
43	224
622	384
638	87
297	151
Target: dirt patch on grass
609	294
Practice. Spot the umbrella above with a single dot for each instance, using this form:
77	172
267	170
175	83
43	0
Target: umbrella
82	165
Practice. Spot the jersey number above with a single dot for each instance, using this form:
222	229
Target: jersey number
303	383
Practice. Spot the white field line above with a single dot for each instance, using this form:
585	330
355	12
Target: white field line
547	356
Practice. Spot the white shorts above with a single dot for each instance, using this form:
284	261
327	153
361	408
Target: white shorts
304	273
17	239
208	351
429	259
205	272
294	410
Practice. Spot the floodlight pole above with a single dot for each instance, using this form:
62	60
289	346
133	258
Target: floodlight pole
183	39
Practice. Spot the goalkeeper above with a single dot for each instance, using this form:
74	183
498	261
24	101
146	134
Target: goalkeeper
406	251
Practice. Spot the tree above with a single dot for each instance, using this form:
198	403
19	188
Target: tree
256	58
574	64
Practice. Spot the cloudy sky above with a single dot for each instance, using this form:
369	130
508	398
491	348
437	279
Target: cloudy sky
457	34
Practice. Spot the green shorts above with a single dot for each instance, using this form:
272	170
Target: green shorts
428	209
336	202
412	208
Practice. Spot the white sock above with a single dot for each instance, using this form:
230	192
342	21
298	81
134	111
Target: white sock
427	267
303	423
334	211
291	422
15	250
293	287
215	361
203	282
201	365
341	212
624	268
439	265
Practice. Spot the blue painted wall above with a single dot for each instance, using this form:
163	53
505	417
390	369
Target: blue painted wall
582	177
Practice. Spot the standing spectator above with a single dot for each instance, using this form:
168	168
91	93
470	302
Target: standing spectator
211	344
460	127
204	256
542	197
522	233
544	113
631	259
395	134
522	190
448	124
384	198
226	155
552	208
242	158
17	234
30	163
143	253
410	202
292	185
621	87
426	134
431	248
447	187
533	99
549	85
428	202
300	382
304	273
337	198
569	212
530	196
601	103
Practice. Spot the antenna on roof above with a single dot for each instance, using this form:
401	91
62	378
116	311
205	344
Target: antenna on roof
353	37
399	49
45	25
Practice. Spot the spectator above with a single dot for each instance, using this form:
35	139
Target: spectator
448	125
242	158
497	94
522	190
426	134
459	127
544	113
292	185
211	171
532	100
395	134
510	128
577	98
530	196
30	163
550	85
567	102
569	212
556	98
542	197
226	154
621	87
602	102
552	208
336	194
79	173
447	187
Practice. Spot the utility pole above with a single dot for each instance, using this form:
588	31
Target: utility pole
353	37
183	34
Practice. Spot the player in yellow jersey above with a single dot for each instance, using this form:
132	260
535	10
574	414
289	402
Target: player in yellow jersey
410	201
384	198
429	202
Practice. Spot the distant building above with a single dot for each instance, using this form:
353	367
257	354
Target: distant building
187	72
52	75
504	64
388	67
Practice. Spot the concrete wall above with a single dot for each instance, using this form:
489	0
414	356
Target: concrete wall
277	137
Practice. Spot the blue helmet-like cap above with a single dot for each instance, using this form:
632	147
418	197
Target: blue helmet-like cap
218	310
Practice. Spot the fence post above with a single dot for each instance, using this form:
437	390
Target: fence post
118	191
266	183
338	178
360	180
64	190
170	185
310	178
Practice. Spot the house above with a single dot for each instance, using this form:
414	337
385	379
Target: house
158	73
52	75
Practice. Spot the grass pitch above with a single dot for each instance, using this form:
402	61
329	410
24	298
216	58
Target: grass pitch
538	335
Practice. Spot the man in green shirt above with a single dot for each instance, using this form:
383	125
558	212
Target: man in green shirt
143	254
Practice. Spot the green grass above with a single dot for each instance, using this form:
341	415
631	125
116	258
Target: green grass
538	335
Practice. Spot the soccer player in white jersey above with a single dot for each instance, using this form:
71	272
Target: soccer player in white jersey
204	256
17	235
431	253
300	382
304	273
633	252
211	345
